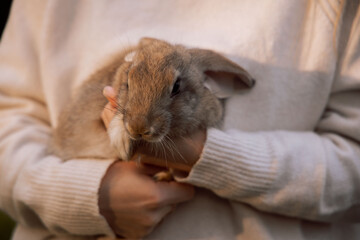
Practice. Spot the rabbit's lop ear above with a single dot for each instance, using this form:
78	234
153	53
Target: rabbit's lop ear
224	77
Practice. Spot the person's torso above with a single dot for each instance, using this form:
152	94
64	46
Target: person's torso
286	45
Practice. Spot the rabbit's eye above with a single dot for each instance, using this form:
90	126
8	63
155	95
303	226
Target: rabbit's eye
125	86
176	88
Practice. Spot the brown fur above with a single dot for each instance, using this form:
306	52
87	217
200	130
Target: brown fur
146	106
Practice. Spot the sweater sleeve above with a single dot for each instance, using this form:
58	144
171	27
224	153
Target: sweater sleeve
310	175
39	190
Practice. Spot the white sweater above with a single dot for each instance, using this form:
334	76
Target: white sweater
286	164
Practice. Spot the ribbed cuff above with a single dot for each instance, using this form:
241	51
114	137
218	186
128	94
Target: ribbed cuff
234	165
65	195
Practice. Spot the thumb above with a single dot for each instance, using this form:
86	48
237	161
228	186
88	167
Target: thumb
110	95
174	192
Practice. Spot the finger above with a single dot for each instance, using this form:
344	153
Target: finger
160	213
110	95
150	170
109	110
174	192
147	169
104	119
107	114
161	162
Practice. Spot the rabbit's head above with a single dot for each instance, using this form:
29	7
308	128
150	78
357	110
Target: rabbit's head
163	92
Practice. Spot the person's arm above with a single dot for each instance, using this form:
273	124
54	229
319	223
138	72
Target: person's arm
36	188
310	175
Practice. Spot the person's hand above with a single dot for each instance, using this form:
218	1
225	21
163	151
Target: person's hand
129	199
110	108
182	153
133	203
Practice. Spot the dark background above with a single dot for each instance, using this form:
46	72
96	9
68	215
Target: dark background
6	224
4	12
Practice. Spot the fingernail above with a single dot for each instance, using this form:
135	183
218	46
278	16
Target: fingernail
107	90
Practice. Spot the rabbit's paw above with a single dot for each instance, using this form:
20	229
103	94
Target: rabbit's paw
165	176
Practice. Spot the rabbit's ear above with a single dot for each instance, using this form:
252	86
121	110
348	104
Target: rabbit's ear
224	76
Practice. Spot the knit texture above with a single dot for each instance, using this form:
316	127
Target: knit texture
67	191
235	166
284	165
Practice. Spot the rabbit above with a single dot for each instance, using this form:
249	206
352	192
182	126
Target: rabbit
163	93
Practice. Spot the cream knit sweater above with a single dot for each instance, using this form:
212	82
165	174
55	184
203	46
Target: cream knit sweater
286	164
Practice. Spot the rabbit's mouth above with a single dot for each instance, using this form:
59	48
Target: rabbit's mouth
147	128
147	137
153	134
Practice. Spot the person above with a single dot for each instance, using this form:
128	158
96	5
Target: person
284	165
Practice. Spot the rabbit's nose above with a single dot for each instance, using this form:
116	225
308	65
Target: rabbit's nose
138	127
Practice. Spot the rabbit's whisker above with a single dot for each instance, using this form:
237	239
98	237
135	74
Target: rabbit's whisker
174	148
